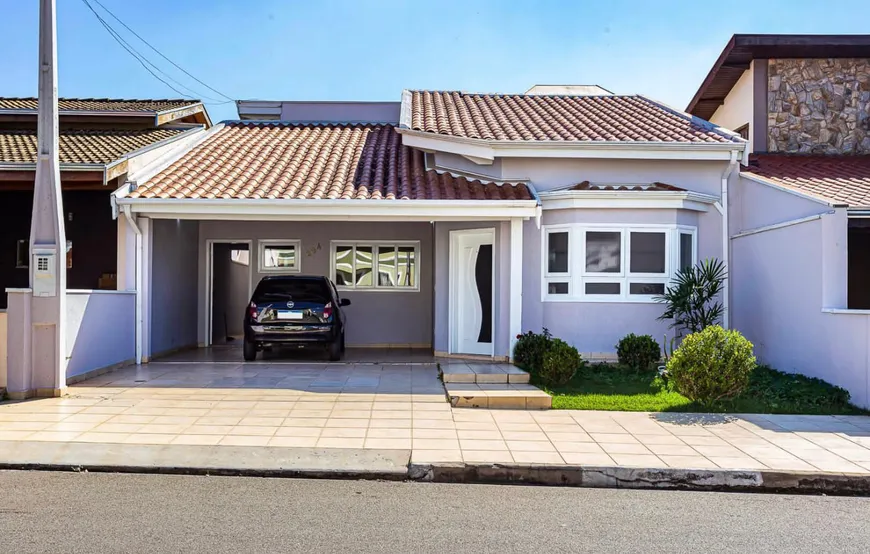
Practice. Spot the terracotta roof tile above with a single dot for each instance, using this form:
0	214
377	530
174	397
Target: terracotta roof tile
81	146
656	187
294	161
841	179
99	104
556	118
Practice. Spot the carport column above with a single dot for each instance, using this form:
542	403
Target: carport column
144	273
516	283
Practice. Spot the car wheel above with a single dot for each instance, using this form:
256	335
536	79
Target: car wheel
249	351
335	350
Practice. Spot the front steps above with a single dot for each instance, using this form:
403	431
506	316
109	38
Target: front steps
495	386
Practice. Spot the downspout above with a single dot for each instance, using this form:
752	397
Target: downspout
139	277
726	241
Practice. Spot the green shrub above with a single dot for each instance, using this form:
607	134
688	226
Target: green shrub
560	362
711	365
530	348
638	352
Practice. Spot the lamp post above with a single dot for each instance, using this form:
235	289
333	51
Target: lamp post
47	236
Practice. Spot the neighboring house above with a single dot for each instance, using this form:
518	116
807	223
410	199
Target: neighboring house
453	221
800	207
101	142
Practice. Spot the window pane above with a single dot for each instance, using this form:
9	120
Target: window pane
386	266
344	265
279	256
686	251
647	253
646	288
407	267
557	288
603	251
363	276
557	255
602	288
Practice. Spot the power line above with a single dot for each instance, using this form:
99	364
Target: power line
229	99
132	51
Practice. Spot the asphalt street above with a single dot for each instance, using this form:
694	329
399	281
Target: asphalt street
95	513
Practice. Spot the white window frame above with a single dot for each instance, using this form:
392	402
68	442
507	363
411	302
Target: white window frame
557	277
577	275
376	245
261	255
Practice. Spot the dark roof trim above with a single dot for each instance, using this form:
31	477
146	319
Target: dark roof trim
742	49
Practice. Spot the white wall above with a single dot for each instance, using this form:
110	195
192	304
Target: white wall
3	348
174	285
100	330
737	110
786	280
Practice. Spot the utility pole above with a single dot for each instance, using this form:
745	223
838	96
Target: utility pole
47	236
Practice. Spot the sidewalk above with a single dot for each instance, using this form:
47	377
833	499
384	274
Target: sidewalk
404	428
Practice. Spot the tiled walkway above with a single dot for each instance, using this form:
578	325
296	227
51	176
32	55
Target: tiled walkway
403	406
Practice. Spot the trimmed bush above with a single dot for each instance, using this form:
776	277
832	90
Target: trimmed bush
530	348
711	365
638	352
560	362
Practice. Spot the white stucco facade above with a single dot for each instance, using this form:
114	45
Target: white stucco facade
737	109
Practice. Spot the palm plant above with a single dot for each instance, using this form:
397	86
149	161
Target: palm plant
693	300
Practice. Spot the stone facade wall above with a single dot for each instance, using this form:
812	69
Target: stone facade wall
819	106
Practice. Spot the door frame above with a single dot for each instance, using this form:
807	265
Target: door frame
209	279
453	311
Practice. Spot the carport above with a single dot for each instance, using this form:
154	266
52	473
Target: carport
430	260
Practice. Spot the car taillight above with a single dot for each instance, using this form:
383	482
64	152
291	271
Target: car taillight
327	311
252	311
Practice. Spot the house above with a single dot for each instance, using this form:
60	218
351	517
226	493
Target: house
453	221
800	233
101	142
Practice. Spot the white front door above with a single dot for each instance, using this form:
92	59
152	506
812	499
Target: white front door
472	289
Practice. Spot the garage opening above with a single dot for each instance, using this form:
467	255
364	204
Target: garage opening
859	264
230	290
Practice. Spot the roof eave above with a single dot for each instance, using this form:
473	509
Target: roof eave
329	210
485	149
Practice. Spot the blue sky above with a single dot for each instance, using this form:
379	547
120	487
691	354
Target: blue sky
371	50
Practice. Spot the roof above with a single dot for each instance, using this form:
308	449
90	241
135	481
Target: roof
834	179
246	160
742	49
652	187
517	117
99	104
81	146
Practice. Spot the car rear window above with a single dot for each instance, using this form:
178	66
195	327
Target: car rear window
300	290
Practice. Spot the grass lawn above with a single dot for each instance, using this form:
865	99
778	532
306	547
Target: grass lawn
613	387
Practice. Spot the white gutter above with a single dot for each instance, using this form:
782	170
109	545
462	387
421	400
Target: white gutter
139	277
726	240
780	225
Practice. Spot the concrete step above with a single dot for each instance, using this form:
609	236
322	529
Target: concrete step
482	373
497	396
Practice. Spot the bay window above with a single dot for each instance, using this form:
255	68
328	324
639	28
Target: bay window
614	263
367	265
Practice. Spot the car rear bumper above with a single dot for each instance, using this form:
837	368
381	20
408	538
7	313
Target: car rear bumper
298	334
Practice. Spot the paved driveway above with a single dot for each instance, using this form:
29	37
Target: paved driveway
402	406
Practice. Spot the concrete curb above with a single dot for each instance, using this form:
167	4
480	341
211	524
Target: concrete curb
644	478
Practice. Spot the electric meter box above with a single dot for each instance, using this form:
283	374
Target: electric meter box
44	271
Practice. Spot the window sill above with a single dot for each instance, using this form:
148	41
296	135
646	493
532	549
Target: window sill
845	311
574	300
382	289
